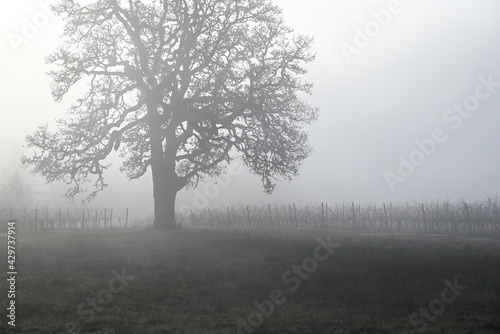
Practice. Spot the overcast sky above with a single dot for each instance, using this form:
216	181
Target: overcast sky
408	91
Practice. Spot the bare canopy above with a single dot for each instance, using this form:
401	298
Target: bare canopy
181	87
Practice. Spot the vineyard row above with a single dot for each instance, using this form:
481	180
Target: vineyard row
459	217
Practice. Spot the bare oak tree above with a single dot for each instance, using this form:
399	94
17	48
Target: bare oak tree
181	87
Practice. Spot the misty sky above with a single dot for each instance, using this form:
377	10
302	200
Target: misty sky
419	93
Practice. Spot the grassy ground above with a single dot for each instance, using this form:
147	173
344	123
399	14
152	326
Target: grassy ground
209	281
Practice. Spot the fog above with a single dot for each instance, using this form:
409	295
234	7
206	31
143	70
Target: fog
392	126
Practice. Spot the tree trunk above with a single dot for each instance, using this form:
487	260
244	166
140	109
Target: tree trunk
165	180
164	193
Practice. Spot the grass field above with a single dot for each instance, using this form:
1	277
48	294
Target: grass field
223	281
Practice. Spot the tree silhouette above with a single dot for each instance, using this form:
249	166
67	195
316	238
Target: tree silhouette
181	87
14	193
